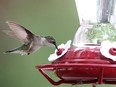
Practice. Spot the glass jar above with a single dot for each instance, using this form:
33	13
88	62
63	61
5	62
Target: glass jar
97	21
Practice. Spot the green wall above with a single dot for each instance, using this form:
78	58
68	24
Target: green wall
57	18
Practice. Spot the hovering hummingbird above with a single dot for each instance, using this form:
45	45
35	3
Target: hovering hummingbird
31	42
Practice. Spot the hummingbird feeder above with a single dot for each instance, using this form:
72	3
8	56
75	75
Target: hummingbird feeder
92	57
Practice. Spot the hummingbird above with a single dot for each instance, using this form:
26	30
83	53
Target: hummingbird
30	42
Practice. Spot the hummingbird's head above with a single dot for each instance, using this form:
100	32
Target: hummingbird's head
51	41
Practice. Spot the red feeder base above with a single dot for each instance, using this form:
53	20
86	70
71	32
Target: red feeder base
82	66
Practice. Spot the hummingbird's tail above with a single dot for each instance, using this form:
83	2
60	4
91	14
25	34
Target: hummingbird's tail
18	50
9	51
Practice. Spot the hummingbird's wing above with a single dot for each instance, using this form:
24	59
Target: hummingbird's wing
8	32
20	32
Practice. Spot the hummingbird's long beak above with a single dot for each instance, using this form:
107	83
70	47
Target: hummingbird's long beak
56	46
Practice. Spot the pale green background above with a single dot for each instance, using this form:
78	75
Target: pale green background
57	18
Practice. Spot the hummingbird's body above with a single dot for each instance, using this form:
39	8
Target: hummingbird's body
31	42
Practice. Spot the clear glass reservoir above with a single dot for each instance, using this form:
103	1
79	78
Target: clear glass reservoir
97	21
